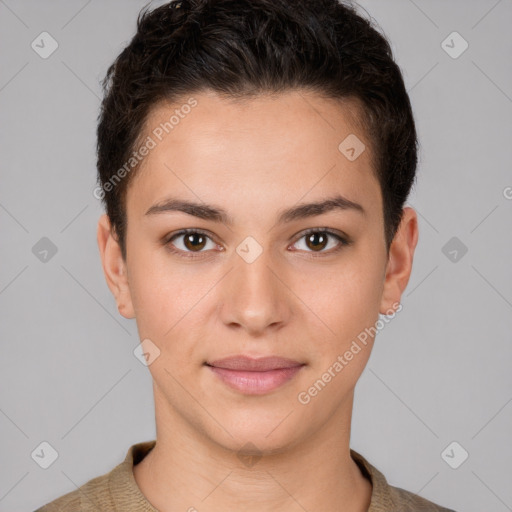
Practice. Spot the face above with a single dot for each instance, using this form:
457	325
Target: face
258	274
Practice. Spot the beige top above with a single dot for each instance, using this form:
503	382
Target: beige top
117	491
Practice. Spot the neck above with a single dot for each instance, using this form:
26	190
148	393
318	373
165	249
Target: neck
187	470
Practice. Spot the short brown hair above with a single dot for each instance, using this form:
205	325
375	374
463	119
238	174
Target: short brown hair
240	48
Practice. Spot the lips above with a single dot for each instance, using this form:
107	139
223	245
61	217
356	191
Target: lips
249	364
255	376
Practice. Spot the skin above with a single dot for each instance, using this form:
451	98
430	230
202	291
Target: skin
302	301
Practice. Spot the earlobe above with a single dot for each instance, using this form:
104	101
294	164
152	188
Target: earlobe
114	267
399	266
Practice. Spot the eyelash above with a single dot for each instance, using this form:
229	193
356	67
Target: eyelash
343	242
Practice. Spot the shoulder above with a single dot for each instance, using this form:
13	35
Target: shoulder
406	501
90	497
385	497
112	491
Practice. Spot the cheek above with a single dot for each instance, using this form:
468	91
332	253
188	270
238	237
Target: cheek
167	297
344	304
347	302
155	291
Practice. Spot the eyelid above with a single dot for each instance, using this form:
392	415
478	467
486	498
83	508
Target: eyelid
343	241
331	231
185	231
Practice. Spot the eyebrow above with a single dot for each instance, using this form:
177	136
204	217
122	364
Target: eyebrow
216	214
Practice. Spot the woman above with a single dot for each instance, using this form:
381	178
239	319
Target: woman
254	158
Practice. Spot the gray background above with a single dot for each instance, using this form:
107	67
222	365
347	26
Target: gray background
440	371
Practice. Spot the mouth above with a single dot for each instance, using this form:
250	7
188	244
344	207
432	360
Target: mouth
254	376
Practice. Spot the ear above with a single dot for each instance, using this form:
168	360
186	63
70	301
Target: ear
114	267
399	266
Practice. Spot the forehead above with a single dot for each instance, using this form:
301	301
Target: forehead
262	150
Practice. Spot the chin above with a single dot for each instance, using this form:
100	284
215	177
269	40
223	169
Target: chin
259	437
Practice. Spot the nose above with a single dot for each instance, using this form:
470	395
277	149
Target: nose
255	297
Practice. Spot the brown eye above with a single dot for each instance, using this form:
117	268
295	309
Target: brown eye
316	240
193	242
